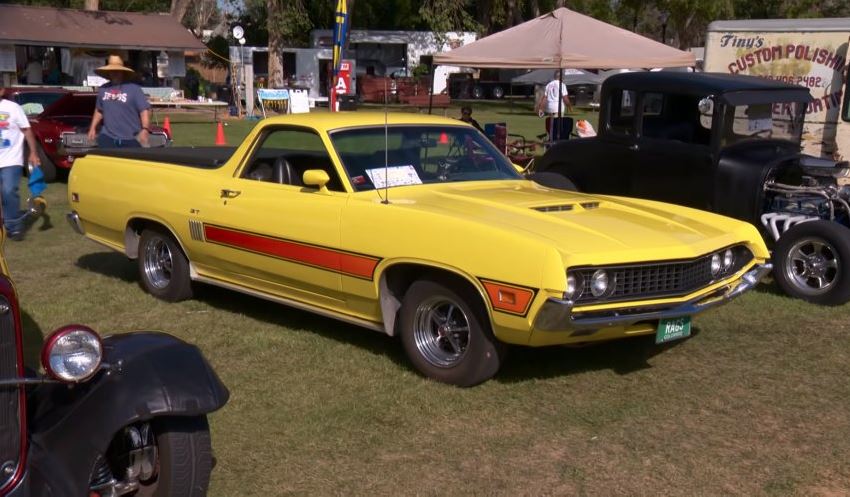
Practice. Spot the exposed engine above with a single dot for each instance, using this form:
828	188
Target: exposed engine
811	189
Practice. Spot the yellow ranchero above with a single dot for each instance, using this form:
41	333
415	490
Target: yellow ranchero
417	228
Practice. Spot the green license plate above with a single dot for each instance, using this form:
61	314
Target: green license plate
673	329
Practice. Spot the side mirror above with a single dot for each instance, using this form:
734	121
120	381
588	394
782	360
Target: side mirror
316	178
706	106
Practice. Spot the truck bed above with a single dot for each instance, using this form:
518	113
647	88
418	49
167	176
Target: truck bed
200	157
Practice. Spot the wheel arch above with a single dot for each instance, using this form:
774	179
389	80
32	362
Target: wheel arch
396	278
133	233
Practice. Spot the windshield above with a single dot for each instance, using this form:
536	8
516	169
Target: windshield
418	154
34	103
775	121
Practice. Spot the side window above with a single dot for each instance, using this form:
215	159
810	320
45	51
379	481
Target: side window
673	117
283	155
621	114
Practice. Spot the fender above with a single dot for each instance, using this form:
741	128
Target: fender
145	375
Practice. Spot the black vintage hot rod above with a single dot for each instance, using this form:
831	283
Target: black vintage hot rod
117	415
727	144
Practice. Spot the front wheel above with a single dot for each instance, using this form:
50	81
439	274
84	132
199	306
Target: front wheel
163	267
498	92
812	262
164	457
447	336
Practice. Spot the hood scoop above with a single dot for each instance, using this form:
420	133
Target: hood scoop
567	207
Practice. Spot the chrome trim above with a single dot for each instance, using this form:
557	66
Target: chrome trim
557	314
291	303
74	220
196	229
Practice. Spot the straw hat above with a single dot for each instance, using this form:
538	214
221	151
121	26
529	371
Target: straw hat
114	63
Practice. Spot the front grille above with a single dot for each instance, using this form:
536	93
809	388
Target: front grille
10	432
653	280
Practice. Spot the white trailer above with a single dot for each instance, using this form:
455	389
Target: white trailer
805	52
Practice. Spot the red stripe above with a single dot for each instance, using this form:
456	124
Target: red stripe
340	262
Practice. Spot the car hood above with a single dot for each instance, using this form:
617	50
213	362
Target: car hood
610	229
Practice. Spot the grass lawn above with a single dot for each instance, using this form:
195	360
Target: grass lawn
755	403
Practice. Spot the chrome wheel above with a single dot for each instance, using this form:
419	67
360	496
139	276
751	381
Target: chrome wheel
812	265
441	331
158	262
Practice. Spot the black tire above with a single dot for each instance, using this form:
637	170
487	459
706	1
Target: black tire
477	92
163	267
466	359
498	92
812	262
553	180
48	168
184	458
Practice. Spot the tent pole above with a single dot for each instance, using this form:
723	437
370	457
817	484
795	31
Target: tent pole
560	90
431	90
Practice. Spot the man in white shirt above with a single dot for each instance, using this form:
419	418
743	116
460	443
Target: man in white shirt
34	72
548	102
14	129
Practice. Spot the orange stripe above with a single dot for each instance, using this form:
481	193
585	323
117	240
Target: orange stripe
508	298
360	266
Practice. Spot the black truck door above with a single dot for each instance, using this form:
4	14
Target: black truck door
672	156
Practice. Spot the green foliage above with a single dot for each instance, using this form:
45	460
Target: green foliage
442	16
219	45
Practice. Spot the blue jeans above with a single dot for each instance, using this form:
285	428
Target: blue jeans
10	180
104	141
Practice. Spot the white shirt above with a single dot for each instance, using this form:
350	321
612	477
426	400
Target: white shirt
551	94
34	73
12	123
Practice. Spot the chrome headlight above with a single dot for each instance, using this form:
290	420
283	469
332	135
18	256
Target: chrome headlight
716	265
728	259
599	283
72	354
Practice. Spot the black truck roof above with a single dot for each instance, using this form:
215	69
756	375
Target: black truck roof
706	83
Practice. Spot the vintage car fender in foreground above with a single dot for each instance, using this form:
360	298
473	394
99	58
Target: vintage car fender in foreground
435	238
118	415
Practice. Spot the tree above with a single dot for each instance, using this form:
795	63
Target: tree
287	23
689	18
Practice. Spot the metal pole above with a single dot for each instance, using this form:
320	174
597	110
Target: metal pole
431	90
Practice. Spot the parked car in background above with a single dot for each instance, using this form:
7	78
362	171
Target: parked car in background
415	226
60	120
110	416
727	144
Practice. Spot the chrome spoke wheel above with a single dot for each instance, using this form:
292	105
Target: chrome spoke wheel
812	265
441	331
158	262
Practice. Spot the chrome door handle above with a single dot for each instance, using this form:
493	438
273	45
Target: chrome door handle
225	193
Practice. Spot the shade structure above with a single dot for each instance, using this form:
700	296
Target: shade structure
571	77
566	39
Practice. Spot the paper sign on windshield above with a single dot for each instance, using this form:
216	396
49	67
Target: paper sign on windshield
383	177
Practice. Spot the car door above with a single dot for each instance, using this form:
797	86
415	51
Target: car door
608	168
672	160
268	232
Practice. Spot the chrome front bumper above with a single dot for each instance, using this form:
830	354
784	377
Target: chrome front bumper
557	314
74	220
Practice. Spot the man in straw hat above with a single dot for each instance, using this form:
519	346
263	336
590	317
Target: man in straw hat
123	108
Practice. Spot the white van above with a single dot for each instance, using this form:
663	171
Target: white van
805	52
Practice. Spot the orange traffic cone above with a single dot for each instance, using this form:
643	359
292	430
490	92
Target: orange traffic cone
219	135
166	125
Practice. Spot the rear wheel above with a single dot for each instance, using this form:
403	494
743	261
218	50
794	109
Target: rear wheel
477	92
812	262
498	92
163	267
447	336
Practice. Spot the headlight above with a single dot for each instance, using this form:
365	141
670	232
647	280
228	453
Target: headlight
575	283
715	265
728	259
72	354
599	283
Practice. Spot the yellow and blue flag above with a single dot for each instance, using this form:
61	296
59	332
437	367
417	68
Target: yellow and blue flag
340	33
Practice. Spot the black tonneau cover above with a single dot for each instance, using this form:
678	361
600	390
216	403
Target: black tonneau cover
201	157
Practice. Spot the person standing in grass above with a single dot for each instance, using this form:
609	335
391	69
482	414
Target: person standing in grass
123	108
14	130
548	102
